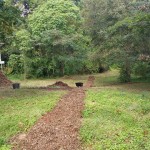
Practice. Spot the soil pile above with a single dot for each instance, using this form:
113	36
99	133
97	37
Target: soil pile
4	81
90	81
59	84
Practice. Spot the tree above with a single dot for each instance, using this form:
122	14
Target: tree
9	19
99	15
117	36
58	39
23	42
129	39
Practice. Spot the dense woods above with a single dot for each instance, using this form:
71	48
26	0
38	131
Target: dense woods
64	37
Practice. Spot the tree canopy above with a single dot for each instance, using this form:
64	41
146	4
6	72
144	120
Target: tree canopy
9	19
59	37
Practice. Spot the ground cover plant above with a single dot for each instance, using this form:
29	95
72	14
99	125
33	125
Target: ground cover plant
116	116
20	109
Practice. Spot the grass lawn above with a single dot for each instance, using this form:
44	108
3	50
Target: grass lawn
116	116
20	109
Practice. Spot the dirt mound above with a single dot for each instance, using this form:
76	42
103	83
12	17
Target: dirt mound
91	78
4	81
90	81
59	84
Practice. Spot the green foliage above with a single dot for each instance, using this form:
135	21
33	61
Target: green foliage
58	42
67	31
119	30
99	16
9	19
125	75
59	14
130	37
20	110
23	43
16	63
142	69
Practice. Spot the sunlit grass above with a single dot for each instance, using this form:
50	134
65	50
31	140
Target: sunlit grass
110	80
20	109
116	120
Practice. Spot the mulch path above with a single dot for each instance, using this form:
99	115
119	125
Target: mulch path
58	129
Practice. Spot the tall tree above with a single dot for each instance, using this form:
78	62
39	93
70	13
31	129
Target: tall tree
130	39
9	19
99	15
102	18
56	30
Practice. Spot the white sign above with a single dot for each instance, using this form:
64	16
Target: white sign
1	62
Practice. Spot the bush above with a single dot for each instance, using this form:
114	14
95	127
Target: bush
142	69
16	63
125	75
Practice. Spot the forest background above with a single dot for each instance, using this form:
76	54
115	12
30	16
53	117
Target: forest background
65	37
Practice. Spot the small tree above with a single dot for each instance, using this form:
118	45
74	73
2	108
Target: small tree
23	43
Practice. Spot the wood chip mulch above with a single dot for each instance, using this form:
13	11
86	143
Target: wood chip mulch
58	129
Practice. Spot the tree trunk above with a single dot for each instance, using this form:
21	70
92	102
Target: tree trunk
62	71
125	72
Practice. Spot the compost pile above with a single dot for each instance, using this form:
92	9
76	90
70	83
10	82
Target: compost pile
90	81
59	84
4	81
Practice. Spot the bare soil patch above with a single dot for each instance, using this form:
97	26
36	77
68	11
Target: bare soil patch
59	85
4	81
90	81
58	129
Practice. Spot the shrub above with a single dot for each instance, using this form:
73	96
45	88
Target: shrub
142	69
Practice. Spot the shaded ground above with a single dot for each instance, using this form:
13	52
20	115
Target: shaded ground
57	130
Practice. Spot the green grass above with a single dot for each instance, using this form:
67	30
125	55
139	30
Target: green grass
116	116
107	78
110	80
20	109
116	120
